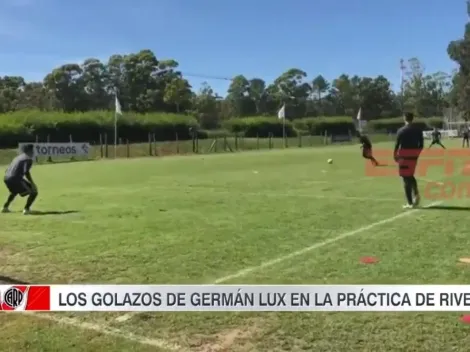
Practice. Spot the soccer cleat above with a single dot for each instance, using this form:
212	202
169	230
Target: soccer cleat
5	210
408	206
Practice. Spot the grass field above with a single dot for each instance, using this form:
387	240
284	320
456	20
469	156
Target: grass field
207	219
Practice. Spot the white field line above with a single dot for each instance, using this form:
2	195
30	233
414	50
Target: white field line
318	245
306	195
302	251
108	331
431	181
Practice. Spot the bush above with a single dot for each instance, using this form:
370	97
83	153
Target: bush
393	124
263	126
260	126
215	133
330	125
340	125
24	126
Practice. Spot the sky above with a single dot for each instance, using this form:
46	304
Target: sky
224	38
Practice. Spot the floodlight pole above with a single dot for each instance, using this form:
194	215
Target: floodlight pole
402	84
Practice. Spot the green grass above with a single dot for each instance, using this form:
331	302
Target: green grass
195	219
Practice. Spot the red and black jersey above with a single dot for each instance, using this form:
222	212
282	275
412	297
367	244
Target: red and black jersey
365	141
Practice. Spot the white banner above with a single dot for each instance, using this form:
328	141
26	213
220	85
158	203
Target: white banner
444	133
59	149
259	298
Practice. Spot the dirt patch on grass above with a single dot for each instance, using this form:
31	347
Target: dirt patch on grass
228	340
8	255
22	267
7	275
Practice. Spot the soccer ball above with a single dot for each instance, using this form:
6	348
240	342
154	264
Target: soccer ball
330	161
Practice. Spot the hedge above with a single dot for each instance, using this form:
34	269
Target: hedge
260	126
330	125
24	126
392	125
263	126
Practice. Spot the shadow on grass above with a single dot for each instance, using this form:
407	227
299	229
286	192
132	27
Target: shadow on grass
36	212
12	281
447	207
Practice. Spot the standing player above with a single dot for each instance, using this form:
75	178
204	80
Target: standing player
15	182
465	135
408	147
366	146
436	138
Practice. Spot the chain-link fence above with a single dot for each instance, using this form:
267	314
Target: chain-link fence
454	119
104	148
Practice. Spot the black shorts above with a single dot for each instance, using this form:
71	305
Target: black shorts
21	187
407	167
465	136
367	153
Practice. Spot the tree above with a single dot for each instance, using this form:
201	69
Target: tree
376	98
320	86
10	90
343	95
459	51
238	95
96	84
145	83
205	106
140	83
35	96
426	94
257	93
291	88
66	84
177	92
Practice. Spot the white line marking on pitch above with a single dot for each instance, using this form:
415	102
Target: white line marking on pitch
105	330
431	181
318	245
314	196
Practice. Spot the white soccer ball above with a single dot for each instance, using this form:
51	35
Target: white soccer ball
330	161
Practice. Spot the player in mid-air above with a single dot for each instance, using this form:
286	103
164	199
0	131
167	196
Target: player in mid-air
15	181
408	147
366	146
465	136
436	138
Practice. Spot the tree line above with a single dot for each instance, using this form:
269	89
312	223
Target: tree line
459	52
146	84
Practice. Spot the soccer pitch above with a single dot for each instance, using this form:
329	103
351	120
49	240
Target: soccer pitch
271	217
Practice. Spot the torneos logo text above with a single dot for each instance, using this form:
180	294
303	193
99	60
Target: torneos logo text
54	150
60	149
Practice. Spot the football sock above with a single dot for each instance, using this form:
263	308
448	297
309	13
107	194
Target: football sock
10	199
408	190
414	186
30	200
